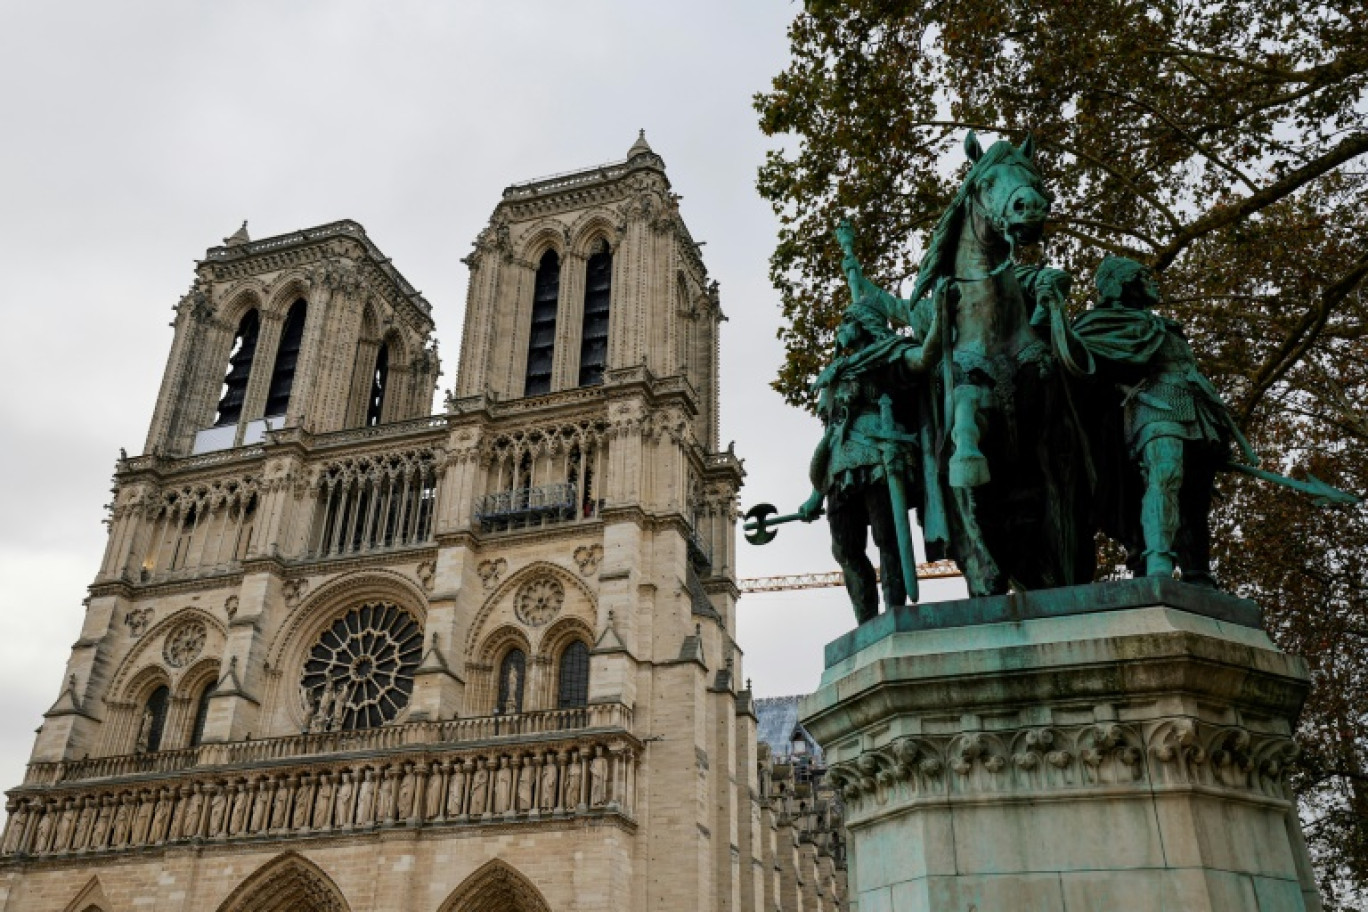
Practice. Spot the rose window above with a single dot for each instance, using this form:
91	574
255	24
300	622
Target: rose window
184	643
360	672
539	601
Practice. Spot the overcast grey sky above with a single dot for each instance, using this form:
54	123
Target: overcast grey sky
137	134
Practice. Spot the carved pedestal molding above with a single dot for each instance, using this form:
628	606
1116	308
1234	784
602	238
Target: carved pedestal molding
1130	759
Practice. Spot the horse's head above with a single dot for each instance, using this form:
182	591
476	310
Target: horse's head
1007	190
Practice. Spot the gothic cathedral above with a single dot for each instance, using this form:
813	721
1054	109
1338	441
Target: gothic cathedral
345	654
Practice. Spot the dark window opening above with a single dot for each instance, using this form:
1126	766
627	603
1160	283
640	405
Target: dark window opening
239	370
201	714
542	343
154	719
287	356
512	678
379	381
598	286
574	677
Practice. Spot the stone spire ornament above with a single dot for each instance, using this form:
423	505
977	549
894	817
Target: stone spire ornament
640	147
239	237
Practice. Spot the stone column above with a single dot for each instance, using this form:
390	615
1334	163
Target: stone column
1116	746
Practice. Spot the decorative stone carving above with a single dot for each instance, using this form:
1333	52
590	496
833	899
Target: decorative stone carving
587	558
184	643
138	620
539	600
491	571
230	606
293	591
427	574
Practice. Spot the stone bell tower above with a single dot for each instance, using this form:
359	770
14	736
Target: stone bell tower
345	654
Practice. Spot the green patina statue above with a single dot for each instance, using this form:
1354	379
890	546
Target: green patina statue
865	467
1174	429
1014	433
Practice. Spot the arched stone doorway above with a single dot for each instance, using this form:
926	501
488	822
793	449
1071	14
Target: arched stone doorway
496	887
288	883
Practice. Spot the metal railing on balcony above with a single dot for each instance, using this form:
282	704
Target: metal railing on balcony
522	507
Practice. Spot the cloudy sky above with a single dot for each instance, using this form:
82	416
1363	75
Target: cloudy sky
137	134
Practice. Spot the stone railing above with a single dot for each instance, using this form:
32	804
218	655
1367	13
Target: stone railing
181	464
599	717
584	775
376	432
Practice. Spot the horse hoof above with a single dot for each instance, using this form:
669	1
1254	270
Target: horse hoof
969	472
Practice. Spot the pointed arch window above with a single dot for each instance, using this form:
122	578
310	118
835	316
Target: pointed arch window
153	720
375	405
512	682
542	341
573	691
202	713
598	287
239	369
287	356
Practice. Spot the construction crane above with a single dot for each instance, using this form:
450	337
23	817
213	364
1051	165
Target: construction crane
930	570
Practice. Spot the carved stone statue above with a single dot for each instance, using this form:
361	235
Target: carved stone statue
160	816
406	790
218	810
280	804
142	817
323	797
598	779
574	792
237	818
456	789
261	807
503	786
511	684
547	792
432	804
384	811
479	787
145	731
365	797
345	792
527	776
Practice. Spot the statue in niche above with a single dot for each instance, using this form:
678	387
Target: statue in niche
503	784
63	839
345	790
364	796
867	465
598	779
432	805
160	817
145	731
548	784
218	810
479	787
574	792
280	806
511	683
323	797
40	841
242	802
406	788
527	776
100	831
261	807
384	811
192	812
456	788
142	817
303	803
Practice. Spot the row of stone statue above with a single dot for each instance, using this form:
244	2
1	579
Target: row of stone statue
557	782
1015	433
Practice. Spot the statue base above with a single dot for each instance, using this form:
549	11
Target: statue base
1113	746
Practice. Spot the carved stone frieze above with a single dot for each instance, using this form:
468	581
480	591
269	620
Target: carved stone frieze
427	574
1180	752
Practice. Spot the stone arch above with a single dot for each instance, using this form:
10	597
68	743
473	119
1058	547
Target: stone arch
500	642
284	291
589	228
236	301
147	652
90	899
557	638
297	635
287	883
515	580
548	234
497	886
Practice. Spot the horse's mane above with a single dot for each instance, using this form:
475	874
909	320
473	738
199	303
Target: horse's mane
937	261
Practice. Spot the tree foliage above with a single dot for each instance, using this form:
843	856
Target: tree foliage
1226	144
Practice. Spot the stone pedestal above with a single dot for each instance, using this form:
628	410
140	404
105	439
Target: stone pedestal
1117	746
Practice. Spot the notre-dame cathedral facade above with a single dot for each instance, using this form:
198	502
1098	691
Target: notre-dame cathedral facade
345	654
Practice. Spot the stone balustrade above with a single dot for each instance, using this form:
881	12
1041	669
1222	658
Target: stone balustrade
598	717
590	774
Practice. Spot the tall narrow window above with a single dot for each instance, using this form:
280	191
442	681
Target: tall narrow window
574	676
287	356
239	370
201	714
598	287
153	721
512	677
379	380
542	343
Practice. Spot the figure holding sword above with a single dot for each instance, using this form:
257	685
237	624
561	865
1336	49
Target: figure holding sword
866	465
